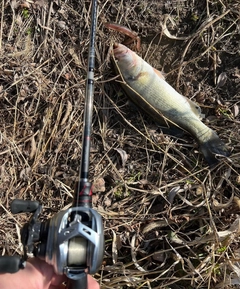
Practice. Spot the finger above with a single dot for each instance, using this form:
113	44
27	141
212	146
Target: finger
47	272
58	279
92	283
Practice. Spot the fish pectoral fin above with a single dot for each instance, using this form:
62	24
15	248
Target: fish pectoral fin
195	108
159	73
173	131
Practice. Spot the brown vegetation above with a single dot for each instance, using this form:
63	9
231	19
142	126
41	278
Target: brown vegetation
170	221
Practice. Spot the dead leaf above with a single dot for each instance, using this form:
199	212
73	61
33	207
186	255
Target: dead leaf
235	110
222	78
172	194
24	173
158	256
67	113
98	185
114	248
107	202
123	154
33	147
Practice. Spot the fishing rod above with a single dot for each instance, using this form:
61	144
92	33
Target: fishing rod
72	241
83	195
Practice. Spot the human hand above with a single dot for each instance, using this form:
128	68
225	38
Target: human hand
38	275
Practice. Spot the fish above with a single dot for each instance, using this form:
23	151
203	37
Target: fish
148	89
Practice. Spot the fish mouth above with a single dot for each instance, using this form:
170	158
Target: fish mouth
119	50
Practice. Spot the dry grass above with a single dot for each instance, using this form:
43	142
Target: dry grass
170	222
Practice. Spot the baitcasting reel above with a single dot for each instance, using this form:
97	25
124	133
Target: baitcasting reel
72	241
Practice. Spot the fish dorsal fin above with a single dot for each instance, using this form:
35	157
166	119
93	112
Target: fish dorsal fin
195	108
159	73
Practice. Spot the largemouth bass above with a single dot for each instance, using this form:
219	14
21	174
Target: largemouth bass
147	87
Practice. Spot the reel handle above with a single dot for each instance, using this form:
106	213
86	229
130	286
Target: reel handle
10	264
23	206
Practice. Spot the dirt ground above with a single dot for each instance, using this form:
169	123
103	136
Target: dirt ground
169	220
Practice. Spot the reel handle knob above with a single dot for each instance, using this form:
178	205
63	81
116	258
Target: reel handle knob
10	264
23	206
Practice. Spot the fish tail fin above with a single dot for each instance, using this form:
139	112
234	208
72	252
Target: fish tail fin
212	147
